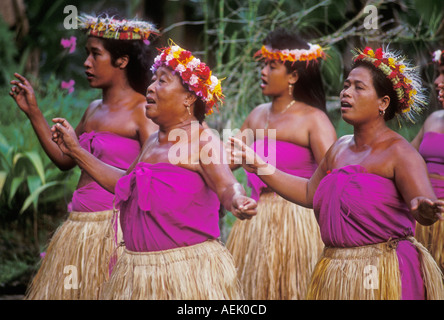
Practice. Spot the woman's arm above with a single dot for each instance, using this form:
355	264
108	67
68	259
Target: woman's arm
220	179
416	142
411	178
65	138
295	189
23	95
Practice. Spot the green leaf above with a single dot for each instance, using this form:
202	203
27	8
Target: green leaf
15	184
33	197
3	175
34	183
36	160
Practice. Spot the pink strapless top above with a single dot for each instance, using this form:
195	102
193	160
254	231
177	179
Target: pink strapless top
163	206
357	208
286	156
432	150
112	149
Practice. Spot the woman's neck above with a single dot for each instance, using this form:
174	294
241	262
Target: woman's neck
116	94
187	125
369	133
279	103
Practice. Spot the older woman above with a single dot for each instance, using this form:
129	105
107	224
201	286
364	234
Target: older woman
275	252
113	129
169	198
369	191
429	142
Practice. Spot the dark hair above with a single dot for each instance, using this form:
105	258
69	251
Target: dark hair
140	58
383	87
309	88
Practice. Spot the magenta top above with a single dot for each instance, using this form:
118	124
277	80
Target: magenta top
286	156
356	208
432	150
112	149
163	206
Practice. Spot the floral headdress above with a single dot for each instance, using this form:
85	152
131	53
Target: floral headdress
107	27
194	73
404	78
313	53
438	57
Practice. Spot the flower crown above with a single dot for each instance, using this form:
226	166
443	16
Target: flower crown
404	78
312	54
438	56
110	28
194	73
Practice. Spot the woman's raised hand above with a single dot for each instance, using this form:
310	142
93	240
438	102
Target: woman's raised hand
23	94
64	135
240	153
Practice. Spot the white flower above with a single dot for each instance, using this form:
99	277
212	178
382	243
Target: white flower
437	55
194	80
180	68
169	57
214	82
175	48
193	63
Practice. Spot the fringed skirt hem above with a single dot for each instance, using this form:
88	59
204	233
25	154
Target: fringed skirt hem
204	271
77	258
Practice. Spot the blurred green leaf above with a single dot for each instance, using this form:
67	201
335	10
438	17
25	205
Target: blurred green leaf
34	196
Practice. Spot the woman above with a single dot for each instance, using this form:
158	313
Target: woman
369	191
428	142
113	129
169	198
275	252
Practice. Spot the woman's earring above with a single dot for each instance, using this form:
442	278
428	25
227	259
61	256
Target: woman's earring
189	111
381	112
290	89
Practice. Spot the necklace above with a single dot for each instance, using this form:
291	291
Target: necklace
285	109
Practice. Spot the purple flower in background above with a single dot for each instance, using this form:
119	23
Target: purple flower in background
42	255
68	85
69	43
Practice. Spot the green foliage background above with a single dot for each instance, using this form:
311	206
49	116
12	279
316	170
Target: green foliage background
34	193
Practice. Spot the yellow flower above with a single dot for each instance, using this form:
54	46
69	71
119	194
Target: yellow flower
371	53
401	68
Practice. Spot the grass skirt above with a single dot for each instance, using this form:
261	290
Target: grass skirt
77	258
275	252
432	237
204	271
344	274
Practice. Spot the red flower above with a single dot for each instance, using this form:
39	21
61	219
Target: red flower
367	49
173	63
203	71
184	55
378	53
393	75
186	75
